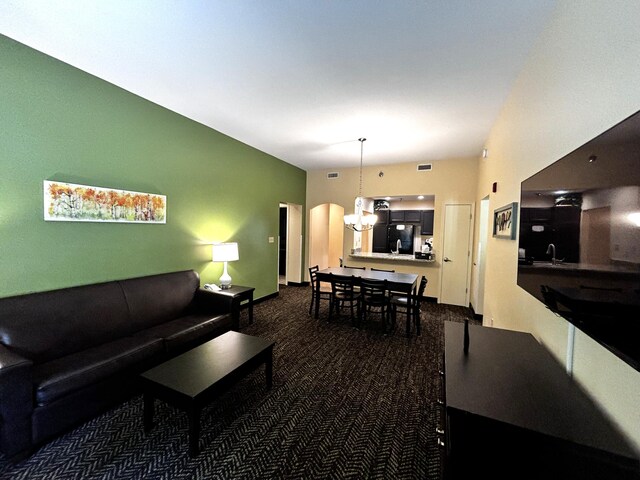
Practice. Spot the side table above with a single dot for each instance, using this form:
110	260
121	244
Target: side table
239	294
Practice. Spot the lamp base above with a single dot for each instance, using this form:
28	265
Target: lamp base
225	279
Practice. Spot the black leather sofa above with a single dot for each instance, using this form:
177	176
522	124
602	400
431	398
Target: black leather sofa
69	354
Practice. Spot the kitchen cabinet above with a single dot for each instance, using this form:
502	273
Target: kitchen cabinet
383	217
379	241
405	216
426	222
412	216
396	216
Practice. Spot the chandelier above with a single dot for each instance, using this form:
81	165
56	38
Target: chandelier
358	221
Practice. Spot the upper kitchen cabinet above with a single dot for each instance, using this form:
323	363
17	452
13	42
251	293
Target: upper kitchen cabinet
404	216
412	216
396	216
383	217
426	222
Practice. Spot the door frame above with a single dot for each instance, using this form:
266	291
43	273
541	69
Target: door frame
469	247
479	266
293	248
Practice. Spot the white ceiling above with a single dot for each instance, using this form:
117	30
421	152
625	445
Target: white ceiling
303	79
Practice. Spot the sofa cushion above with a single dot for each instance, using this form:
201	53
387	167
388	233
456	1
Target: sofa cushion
62	376
189	330
47	325
156	299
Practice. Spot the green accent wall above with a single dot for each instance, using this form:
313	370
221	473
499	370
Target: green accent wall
60	123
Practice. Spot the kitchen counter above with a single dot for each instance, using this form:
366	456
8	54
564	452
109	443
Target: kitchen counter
400	257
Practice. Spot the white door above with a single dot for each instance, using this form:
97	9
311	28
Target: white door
456	255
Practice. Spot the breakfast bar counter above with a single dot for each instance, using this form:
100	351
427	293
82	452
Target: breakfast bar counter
393	257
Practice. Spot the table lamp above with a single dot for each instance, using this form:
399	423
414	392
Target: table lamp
225	252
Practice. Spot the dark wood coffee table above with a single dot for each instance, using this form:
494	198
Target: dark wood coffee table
192	380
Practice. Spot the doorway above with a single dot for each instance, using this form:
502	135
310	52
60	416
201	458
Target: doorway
456	255
290	244
282	246
477	296
326	235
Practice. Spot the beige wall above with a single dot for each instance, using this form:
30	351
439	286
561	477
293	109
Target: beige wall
451	181
581	78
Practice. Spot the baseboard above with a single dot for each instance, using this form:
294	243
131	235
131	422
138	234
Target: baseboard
297	284
265	298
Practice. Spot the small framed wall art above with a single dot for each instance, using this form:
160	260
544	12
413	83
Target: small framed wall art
68	202
504	221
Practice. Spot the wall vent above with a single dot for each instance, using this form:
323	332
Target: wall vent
424	167
332	175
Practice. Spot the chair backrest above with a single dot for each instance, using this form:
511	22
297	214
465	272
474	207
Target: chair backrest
373	291
342	285
421	288
355	268
382	270
312	276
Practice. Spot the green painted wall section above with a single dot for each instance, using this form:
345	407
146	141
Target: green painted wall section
60	123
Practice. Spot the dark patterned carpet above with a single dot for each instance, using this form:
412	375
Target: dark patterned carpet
346	403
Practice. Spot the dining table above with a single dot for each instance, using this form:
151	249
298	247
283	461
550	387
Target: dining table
404	283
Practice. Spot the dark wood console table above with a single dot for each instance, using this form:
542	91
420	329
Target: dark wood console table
513	412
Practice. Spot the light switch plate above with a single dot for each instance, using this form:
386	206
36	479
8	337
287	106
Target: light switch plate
272	239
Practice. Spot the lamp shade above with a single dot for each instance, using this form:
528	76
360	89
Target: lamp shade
225	252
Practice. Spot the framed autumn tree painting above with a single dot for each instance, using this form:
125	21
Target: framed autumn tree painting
68	202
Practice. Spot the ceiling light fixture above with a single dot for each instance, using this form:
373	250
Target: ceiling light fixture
358	221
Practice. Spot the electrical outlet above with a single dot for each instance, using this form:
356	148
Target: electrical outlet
272	239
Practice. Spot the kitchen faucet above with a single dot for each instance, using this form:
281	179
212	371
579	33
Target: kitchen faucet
551	250
398	245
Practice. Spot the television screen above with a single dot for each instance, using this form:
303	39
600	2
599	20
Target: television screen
579	238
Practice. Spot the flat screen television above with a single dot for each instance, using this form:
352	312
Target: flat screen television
579	238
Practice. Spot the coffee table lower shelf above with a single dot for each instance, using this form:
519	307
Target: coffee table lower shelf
194	379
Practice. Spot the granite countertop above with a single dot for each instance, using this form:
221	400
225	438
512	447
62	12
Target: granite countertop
400	257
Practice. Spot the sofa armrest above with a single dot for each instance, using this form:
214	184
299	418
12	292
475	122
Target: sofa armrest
16	402
206	301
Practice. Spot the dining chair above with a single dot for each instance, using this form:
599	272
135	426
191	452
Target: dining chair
382	270
323	292
374	299
409	305
343	293
356	287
